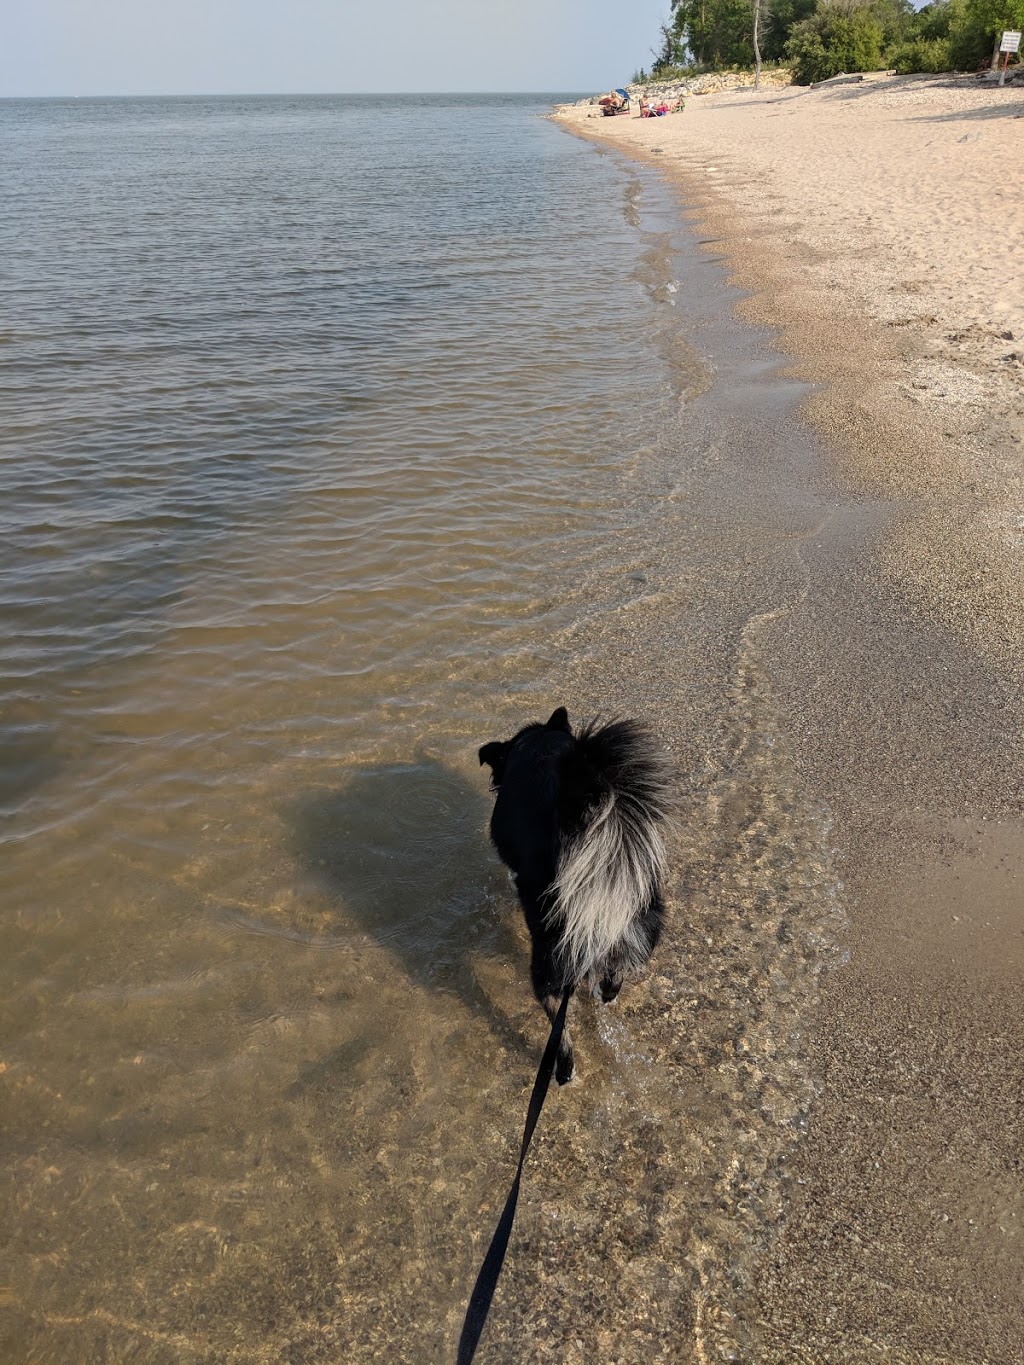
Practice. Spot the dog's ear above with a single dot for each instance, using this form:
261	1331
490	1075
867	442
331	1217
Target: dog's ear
560	720
493	755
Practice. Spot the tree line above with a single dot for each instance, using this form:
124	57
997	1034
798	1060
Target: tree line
821	38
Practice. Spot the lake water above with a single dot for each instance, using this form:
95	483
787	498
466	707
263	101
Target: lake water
341	435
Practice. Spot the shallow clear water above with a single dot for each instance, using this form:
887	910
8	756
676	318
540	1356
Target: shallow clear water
340	436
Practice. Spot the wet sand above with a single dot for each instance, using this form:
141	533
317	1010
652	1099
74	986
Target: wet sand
267	1033
866	226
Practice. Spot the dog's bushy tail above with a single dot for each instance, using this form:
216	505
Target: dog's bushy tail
613	858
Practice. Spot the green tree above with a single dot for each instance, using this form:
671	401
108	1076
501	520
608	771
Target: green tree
716	33
670	55
895	17
975	28
833	39
933	21
924	45
720	33
778	19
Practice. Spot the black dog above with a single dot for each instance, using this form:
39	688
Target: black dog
578	820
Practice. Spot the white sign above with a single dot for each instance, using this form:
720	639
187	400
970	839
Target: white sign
1011	42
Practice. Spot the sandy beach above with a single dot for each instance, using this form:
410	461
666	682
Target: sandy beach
874	227
429	419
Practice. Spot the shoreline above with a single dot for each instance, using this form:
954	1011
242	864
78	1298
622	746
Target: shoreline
899	679
873	290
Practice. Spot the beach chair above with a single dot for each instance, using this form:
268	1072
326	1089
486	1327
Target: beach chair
615	102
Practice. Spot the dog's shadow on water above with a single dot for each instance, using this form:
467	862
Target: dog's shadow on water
403	849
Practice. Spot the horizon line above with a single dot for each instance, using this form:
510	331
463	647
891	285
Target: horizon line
273	94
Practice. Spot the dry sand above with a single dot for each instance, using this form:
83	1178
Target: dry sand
877	227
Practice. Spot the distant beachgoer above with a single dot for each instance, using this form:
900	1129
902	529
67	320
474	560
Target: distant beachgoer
645	108
612	103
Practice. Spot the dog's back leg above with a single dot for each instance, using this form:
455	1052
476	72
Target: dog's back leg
549	992
611	983
632	954
612	973
565	1066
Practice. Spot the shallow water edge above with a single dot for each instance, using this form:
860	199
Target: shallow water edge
902	718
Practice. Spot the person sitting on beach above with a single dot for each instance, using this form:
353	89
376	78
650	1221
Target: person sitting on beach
612	103
645	108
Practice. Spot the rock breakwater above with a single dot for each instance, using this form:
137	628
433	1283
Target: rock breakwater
709	83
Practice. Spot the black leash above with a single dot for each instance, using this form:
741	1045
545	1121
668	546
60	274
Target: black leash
483	1290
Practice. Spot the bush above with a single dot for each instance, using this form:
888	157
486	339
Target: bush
933	21
974	26
896	18
664	74
834	40
781	18
922	54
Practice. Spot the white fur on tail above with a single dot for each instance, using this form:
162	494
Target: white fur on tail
606	876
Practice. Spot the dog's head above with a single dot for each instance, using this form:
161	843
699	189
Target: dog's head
495	754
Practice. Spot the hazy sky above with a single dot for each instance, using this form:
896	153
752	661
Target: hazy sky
127	47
